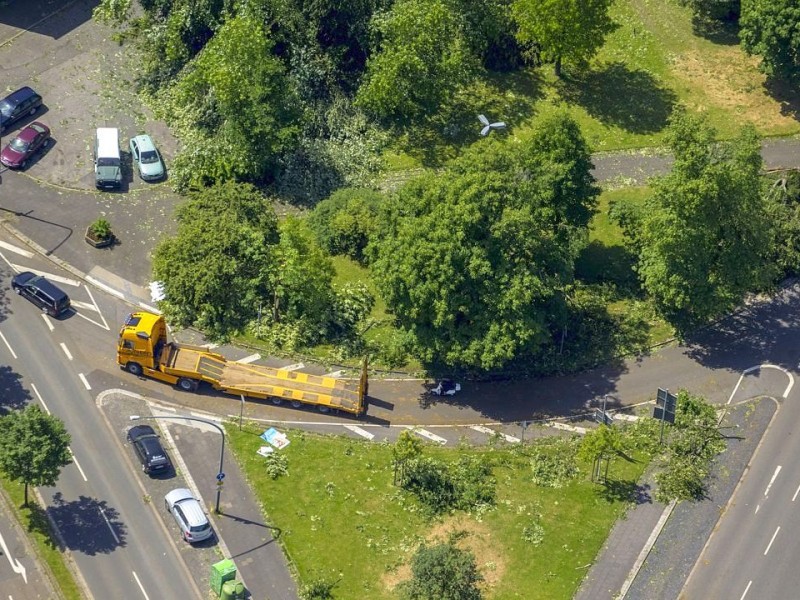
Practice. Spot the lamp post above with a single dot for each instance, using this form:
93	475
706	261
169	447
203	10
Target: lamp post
220	473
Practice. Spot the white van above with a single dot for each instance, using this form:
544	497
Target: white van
107	163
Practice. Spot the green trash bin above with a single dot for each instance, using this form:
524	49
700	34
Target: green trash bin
222	572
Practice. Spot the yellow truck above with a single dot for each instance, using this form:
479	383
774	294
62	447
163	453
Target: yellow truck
143	349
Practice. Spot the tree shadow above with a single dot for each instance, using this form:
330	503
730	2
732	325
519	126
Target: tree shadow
616	95
787	94
601	263
617	490
87	525
722	31
14	396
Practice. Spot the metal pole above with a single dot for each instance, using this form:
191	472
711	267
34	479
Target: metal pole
241	411
605	397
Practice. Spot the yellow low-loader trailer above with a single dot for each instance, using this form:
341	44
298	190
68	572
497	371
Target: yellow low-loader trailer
143	349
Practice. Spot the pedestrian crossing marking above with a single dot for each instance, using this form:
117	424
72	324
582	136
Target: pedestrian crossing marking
427	434
294	367
249	359
488	431
359	431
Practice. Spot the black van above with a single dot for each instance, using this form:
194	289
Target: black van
44	294
18	104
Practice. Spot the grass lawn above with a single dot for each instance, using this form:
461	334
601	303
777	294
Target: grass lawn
342	519
34	522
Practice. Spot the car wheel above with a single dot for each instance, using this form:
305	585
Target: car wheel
18	290
32	111
134	368
23	165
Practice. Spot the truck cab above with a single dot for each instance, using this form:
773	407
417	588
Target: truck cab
141	341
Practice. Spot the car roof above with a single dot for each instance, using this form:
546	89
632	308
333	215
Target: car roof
19	95
179	495
48	287
144	142
138	431
31	131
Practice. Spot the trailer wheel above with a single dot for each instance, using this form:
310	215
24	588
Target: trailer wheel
276	401
296	404
187	385
322	408
134	368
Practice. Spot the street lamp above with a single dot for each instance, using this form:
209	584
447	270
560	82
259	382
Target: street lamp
220	473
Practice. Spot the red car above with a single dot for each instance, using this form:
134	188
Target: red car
29	141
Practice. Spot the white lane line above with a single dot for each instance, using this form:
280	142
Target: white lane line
141	587
48	322
489	431
10	349
85	382
427	434
19	251
110	528
105	287
3	256
66	350
97	308
797	491
16	566
77	464
772	540
359	431
334	374
92	321
294	367
758	508
249	359
771	481
747	589
51	276
84	305
39	396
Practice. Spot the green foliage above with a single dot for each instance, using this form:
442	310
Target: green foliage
345	222
100	228
721	10
571	30
352	304
783	210
112	11
422	58
704	236
473	260
220	264
318	589
276	465
441	487
407	447
533	533
771	29
34	446
553	462
443	572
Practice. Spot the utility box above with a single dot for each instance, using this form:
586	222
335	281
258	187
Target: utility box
232	590
221	572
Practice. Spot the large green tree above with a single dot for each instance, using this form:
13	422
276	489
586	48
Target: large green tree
422	58
216	270
473	260
771	29
445	572
704	236
571	30
34	446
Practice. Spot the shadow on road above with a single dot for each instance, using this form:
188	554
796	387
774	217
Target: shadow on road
87	525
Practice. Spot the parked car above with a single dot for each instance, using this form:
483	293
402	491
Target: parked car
189	515
28	142
42	292
148	448
146	158
446	387
18	104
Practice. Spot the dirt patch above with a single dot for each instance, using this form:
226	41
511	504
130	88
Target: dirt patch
475	537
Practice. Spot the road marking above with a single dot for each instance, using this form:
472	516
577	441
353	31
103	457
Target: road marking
427	434
249	359
39	396
85	382
488	431
210	346
749	583
771	481
66	350
77	464
149	308
797	491
758	508
294	367
624	417
97	308
20	251
85	305
51	276
141	587
105	287
10	349
772	540
13	268
359	431
48	322
16	566
110	528
565	427
334	374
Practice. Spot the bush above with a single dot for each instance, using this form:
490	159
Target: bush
553	462
440	487
345	221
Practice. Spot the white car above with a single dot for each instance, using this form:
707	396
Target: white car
146	158
446	387
188	514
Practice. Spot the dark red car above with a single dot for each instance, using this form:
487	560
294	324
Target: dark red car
29	141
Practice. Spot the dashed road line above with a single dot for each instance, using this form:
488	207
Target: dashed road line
359	431
85	382
10	349
77	464
141	587
66	350
48	322
39	396
114	533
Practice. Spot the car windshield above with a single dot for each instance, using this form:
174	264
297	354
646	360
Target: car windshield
107	162
19	145
6	108
149	157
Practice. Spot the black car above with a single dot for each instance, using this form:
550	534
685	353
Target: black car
18	104
148	448
43	293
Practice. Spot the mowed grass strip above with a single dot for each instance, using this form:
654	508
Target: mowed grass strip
341	519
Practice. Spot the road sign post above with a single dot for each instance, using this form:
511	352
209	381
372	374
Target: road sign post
666	407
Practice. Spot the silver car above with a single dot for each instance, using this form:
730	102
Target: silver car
146	158
189	515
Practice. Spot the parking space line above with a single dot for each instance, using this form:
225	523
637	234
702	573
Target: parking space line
359	431
334	374
10	349
12	248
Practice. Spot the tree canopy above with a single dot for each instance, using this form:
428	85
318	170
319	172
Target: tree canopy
771	29
445	572
34	446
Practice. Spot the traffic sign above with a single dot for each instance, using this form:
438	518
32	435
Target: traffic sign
219	485
220	477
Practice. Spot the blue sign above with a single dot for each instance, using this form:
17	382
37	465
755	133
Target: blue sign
220	476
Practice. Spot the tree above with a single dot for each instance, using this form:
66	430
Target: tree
771	29
443	572
603	442
33	447
406	448
704	238
421	60
571	30
218	267
345	221
472	261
